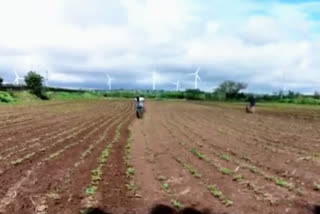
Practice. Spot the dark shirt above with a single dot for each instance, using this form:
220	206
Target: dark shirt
252	101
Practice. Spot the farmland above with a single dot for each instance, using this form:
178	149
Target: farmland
68	156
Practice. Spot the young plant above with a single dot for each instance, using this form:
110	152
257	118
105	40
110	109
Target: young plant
199	154
166	186
215	192
225	171
227	202
132	187
284	183
238	178
253	169
130	171
225	157
176	204
193	171
91	190
219	195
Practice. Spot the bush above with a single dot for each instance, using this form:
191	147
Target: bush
34	82
6	97
194	94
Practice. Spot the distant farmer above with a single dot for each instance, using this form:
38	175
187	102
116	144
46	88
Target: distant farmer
251	108
140	108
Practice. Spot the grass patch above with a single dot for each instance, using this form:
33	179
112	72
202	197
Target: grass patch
5	97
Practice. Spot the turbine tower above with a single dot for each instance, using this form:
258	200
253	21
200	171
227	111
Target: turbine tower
109	81
154	81
196	78
16	80
47	78
177	84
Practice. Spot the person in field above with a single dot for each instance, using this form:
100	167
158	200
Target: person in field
139	103
251	108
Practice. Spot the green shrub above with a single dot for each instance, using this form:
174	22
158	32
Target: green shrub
6	97
34	82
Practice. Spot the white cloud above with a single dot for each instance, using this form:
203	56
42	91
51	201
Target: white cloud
251	41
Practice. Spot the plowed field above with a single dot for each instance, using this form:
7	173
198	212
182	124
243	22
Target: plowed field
65	157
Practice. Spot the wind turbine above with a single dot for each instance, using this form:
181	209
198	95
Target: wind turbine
47	78
154	81
196	77
177	84
109	81
16	80
283	84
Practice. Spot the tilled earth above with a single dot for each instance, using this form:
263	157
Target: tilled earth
65	157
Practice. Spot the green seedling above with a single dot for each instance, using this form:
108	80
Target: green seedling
238	178
165	186
176	204
225	157
96	175
225	171
91	190
132	187
17	162
199	154
104	156
284	183
193	171
130	172
215	192
253	169
227	202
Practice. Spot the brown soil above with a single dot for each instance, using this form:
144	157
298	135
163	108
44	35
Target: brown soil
178	150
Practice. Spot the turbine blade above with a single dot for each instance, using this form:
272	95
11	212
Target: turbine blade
198	70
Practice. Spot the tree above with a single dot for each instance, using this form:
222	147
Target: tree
1	81
34	82
230	89
317	95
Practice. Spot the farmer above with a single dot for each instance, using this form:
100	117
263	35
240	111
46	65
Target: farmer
251	108
139	103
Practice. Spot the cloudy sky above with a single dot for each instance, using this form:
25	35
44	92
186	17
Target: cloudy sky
267	43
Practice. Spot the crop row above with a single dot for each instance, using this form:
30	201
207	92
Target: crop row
96	174
278	181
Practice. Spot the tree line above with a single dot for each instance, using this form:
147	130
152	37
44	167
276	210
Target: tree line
227	91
